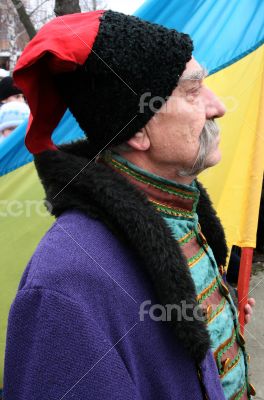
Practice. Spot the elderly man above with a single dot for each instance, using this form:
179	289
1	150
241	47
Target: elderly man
125	296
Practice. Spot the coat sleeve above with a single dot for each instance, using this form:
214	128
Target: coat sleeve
55	350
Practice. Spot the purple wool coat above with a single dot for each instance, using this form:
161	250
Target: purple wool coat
74	329
74	326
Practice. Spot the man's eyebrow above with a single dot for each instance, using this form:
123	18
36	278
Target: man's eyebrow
196	75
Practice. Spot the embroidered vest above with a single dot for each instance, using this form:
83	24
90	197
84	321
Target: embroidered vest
177	205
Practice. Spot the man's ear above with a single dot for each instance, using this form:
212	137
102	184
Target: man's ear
140	141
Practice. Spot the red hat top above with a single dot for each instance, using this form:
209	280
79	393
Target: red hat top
59	46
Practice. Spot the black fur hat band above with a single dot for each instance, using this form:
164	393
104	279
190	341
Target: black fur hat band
112	92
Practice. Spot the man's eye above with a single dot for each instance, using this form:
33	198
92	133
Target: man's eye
193	94
195	90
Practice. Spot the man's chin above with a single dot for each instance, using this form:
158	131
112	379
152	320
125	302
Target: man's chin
213	159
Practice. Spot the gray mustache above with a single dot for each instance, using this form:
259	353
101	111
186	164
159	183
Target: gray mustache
207	138
210	129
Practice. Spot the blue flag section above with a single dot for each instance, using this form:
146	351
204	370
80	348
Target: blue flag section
222	31
13	152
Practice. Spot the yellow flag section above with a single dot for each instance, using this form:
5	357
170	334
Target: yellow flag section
24	220
235	184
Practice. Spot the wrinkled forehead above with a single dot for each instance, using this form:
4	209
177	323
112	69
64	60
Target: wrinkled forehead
193	71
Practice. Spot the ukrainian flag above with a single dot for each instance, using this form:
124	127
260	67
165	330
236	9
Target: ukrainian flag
228	38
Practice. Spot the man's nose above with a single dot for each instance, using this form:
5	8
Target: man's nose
214	107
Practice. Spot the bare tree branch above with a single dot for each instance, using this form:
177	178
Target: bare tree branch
24	18
35	9
43	21
63	7
92	5
20	33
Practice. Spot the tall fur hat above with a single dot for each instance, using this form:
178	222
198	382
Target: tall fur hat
104	66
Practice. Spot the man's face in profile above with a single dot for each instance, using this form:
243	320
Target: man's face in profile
183	137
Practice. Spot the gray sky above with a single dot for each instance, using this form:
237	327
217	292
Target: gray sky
125	6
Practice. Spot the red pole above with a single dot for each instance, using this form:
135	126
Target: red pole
243	283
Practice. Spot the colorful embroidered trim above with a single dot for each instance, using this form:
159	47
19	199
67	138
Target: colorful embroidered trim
147	180
217	311
195	259
176	212
222	349
186	238
232	363
240	393
207	291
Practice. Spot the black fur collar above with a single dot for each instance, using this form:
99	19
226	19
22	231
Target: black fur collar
71	181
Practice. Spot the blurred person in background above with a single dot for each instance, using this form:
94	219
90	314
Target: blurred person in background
12	114
9	92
